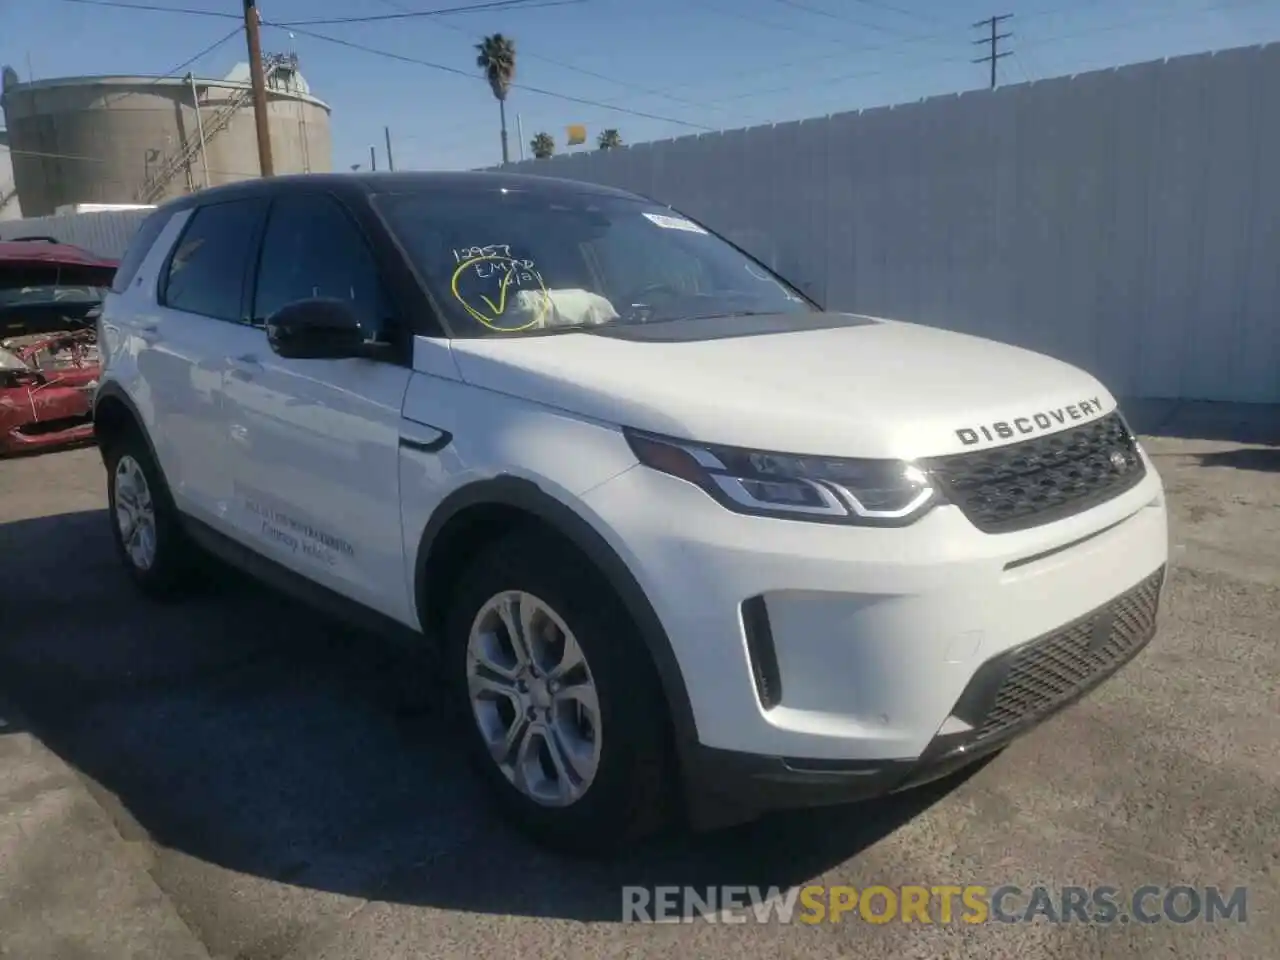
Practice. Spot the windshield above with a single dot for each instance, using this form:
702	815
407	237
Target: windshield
510	262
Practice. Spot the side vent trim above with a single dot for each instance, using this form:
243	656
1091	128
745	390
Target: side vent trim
761	650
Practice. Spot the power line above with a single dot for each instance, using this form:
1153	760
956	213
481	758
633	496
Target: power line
489	5
839	18
1026	72
174	71
477	78
993	41
403	14
776	68
757	71
649	91
890	7
923	65
845	51
771	25
1055	11
843	54
947	60
156	8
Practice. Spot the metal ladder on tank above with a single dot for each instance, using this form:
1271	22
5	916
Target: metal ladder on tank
154	186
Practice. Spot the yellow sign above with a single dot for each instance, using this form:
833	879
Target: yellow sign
575	134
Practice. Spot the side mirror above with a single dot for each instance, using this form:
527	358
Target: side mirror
317	329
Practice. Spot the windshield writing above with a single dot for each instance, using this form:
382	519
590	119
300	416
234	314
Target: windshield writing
506	263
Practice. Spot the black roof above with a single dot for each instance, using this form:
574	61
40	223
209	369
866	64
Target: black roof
402	182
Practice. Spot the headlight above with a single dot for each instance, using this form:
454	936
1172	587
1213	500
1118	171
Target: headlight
878	493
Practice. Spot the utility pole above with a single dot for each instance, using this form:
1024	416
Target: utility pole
993	41
373	158
252	20
391	164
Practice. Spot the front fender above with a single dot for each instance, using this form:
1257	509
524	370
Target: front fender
530	498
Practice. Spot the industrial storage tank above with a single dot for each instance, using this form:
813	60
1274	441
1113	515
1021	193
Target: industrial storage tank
146	139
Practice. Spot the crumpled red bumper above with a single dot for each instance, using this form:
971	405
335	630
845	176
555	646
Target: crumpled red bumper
40	416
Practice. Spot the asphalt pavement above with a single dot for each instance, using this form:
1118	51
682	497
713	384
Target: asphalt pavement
237	777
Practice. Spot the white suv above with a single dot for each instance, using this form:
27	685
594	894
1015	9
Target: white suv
687	541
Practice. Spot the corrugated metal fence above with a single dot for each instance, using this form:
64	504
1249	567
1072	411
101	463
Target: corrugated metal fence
106	233
1125	220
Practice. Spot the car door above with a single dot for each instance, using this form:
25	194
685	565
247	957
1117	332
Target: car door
201	298
315	444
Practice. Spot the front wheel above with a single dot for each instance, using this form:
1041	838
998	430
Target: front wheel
566	721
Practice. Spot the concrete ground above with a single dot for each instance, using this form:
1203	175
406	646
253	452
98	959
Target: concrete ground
252	782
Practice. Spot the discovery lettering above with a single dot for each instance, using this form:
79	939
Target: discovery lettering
1031	423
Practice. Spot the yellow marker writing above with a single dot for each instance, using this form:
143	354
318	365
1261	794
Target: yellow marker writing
501	306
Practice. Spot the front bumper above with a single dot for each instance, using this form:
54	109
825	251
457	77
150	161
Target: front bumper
846	651
1010	694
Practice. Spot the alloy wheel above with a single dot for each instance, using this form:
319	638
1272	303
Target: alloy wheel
135	513
534	698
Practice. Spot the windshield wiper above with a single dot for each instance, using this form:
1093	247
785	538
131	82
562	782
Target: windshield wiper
565	328
731	313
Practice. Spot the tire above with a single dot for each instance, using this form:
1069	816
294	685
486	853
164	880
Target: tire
151	544
629	791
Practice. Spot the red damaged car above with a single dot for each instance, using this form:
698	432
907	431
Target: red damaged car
50	297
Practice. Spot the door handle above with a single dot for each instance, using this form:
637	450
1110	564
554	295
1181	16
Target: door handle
149	332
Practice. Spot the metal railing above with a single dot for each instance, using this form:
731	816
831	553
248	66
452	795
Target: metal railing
154	186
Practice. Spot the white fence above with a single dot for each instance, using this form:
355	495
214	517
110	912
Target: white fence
1126	220
106	233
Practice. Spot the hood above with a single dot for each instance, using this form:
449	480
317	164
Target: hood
843	386
25	251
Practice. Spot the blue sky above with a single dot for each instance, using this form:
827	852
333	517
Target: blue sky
679	66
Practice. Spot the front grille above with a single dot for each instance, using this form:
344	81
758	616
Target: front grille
1044	479
1057	668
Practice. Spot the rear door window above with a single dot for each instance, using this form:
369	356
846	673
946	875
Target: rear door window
210	262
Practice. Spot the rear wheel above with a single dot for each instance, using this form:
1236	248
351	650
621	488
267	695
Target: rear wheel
566	720
145	525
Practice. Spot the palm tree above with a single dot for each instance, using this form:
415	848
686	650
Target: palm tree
609	139
543	146
497	58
